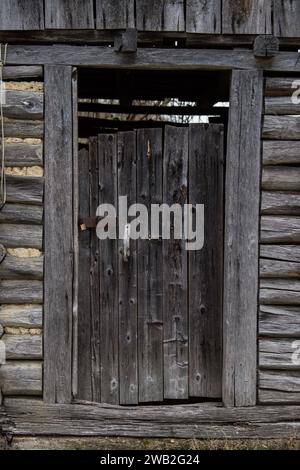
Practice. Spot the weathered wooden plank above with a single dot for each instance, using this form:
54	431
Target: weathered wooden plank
21	292
58	256
115	15
247	17
24	316
280	229
21	378
160	15
150	279
274	268
127	276
281	105
175	294
280	203
69	14
282	178
279	321
274	397
206	265
21	236
203	17
23	105
108	276
21	214
13	267
286	18
281	252
279	386
276	152
22	73
281	127
14	15
241	239
25	347
24	129
280	86
23	155
279	292
25	189
278	353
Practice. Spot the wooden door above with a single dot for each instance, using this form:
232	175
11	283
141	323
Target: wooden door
150	327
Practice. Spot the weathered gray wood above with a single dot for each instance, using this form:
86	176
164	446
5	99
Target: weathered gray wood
69	14
20	15
118	14
21	292
23	129
25	189
279	321
127	277
274	268
280	229
126	41
279	386
160	15
279	292
265	46
280	86
13	267
241	240
58	243
281	127
24	316
203	17
247	17
281	152
206	265
25	347
22	73
108	276
280	203
21	378
281	252
175	294
277	353
282	178
23	105
21	214
286	18
74	94
23	236
23	155
281	105
150	279
276	397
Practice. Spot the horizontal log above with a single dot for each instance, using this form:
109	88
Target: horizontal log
282	105
21	378
25	189
279	386
21	316
23	154
21	236
281	252
24	129
13	267
282	178
281	127
21	214
279	292
266	397
280	229
278	353
281	203
280	86
24	347
281	321
21	292
22	73
277	152
23	105
275	268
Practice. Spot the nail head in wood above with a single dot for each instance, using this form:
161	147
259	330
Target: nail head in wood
265	46
126	41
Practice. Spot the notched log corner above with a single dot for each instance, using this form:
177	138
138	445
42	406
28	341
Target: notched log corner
126	41
265	46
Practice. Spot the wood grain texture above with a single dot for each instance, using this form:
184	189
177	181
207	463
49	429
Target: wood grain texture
25	347
69	14
280	105
280	203
247	17
23	316
241	239
203	16
118	14
277	353
22	73
279	386
160	15
281	321
21	378
281	127
275	268
21	236
23	105
23	155
20	15
13	267
280	86
23	129
276	152
25	189
58	256
21	214
279	292
281	178
286	18
21	292
280	229
281	252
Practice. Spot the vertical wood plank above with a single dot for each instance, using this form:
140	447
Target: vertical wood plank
206	265
175	305
286	18
20	15
127	276
160	15
203	17
69	14
108	255
117	14
150	326
242	196
58	240
247	17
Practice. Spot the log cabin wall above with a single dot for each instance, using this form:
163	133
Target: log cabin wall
21	233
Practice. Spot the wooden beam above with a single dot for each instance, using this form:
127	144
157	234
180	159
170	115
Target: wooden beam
21	378
21	316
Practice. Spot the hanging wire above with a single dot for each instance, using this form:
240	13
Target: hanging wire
2	97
